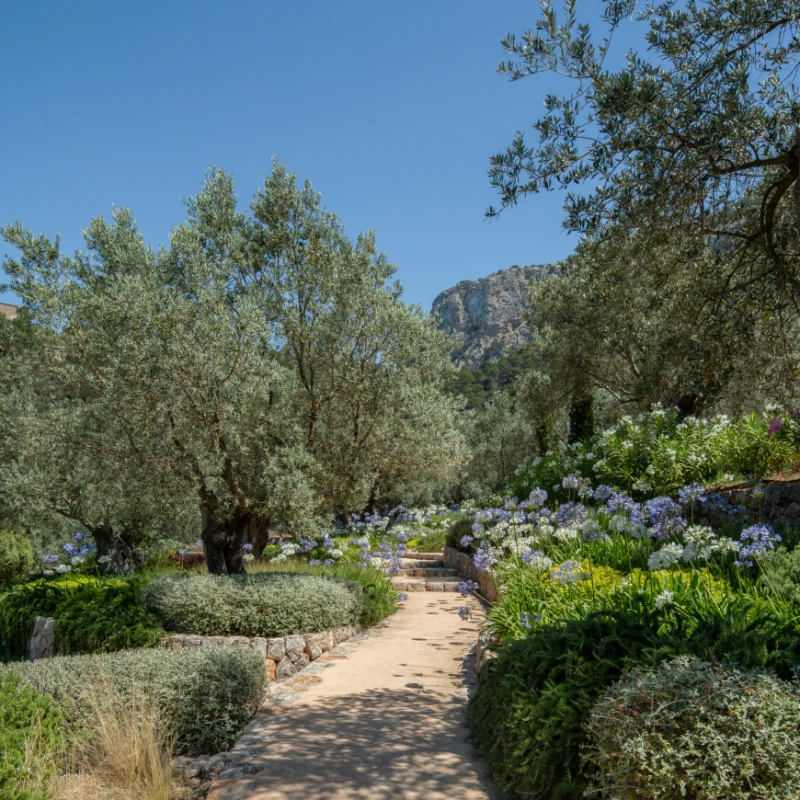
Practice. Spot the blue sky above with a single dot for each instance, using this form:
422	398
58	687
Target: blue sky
391	109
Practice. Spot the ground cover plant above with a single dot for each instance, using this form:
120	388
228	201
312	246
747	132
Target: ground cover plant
656	732
204	696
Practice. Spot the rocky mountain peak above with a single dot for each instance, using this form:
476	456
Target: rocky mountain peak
486	316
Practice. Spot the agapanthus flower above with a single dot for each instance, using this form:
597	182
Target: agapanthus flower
536	559
664	599
664	558
571	513
466	540
760	539
402	597
247	547
569	572
690	493
484	558
538	497
198	543
465	612
602	492
527	620
50	559
467	586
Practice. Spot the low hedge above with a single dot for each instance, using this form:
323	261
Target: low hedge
205	696
691	729
30	726
264	604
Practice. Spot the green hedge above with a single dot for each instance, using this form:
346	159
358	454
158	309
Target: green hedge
690	729
205	696
30	725
265	604
93	615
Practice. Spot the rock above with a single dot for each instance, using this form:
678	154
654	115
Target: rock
295	645
314	645
271	667
192	641
42	639
237	641
284	668
327	641
214	641
486	316
276	648
215	765
172	642
792	511
259	644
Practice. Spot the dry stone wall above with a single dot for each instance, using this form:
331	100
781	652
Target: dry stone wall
463	563
285	655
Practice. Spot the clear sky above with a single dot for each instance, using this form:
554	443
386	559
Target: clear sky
392	109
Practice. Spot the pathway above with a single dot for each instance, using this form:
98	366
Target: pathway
385	722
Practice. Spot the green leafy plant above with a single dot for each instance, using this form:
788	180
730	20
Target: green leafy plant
31	734
535	696
264	604
205	696
692	729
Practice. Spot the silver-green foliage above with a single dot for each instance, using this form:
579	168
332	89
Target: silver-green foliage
692	729
205	696
265	604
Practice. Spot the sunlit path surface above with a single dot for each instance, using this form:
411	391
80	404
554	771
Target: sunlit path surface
386	721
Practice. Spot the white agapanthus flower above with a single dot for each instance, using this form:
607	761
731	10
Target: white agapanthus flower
664	558
664	599
569	533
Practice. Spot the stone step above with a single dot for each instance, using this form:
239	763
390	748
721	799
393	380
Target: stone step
427	572
425	556
422	563
422	585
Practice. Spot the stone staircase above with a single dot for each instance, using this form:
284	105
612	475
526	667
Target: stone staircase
426	572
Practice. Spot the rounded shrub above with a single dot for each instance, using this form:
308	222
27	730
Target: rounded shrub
16	554
692	729
204	696
31	733
265	604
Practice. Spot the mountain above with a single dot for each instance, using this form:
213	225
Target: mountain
486	316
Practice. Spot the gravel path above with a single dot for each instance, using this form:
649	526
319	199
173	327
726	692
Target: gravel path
378	718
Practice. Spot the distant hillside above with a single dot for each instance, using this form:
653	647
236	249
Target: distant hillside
486	316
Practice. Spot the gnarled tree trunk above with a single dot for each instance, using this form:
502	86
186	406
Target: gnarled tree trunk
123	548
222	542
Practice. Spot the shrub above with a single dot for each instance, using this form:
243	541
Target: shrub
533	699
16	555
380	596
265	604
93	615
457	531
783	571
205	696
690	729
430	541
31	731
104	616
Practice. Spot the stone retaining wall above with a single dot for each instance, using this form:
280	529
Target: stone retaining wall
463	563
285	655
777	501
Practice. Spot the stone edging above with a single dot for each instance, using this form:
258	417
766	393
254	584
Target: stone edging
285	656
465	566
